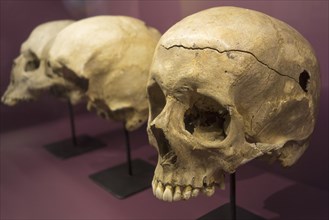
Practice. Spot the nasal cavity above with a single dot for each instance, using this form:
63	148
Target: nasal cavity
162	141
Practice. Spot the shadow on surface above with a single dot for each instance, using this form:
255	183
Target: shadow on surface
299	202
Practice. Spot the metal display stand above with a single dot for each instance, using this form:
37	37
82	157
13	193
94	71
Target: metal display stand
230	211
128	178
76	145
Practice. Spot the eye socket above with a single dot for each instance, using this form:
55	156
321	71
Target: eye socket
206	118
157	99
32	64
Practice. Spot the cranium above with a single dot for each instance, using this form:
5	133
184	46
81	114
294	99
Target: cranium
113	54
228	85
31	75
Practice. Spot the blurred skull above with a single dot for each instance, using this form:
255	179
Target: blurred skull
30	73
228	85
113	54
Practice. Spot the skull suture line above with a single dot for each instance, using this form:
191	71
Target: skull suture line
228	85
113	54
31	75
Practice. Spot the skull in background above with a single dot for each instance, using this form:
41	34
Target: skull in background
113	55
228	85
30	73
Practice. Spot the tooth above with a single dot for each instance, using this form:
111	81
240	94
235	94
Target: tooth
195	192
177	194
89	106
222	182
222	185
159	191
209	191
187	192
204	181
167	195
154	186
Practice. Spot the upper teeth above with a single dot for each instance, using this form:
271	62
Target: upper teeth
169	193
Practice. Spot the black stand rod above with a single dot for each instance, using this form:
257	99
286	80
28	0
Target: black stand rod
230	210
130	171
121	183
72	124
232	196
74	145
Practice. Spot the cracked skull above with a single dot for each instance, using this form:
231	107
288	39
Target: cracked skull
112	54
228	85
30	73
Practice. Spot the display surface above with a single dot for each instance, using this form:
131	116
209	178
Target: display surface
120	183
36	185
31	74
43	182
108	57
228	85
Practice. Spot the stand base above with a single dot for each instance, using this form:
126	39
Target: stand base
65	149
119	183
224	213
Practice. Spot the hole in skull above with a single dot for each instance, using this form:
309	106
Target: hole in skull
250	139
206	119
304	78
156	98
32	64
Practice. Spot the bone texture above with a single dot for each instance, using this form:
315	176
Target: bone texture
228	85
31	75
110	57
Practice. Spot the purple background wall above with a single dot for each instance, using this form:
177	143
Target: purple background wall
310	18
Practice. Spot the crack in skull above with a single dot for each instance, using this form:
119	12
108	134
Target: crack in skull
228	51
223	91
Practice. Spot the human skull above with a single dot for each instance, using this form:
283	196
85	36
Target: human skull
113	54
30	73
228	85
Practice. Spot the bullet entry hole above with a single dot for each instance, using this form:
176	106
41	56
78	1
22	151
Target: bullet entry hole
304	79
